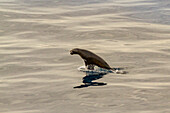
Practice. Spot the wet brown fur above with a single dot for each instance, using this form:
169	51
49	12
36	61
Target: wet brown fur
90	58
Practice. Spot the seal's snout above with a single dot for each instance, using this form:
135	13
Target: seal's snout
71	52
74	51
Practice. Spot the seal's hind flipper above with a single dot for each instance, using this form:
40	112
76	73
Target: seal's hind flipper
119	68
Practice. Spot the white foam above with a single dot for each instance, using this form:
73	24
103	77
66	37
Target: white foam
96	70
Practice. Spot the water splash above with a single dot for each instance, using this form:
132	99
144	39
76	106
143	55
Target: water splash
97	73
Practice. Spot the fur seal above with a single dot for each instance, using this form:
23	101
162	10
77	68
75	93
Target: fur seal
90	59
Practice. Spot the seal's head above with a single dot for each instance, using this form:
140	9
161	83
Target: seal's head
74	51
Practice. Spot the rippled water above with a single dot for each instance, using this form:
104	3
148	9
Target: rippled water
37	73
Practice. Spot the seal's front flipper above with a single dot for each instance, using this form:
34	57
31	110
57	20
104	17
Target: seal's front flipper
90	67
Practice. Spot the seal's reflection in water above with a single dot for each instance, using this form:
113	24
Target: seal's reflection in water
89	78
96	73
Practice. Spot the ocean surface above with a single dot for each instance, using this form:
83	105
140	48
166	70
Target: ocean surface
38	74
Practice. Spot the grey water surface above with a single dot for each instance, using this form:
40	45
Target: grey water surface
38	75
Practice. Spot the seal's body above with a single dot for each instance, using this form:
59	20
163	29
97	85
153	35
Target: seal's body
90	58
